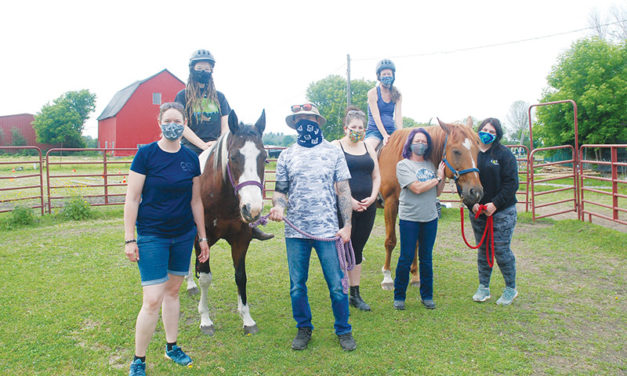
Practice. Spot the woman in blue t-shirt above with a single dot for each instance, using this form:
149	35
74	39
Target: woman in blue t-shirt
384	106
420	185
163	201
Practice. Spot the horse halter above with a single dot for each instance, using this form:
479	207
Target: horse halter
238	187
456	174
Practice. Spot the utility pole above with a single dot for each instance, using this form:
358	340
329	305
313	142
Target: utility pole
348	80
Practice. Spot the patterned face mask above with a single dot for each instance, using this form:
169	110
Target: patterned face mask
172	131
309	133
356	136
487	138
387	81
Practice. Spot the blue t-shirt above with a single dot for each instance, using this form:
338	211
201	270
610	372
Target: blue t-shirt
165	209
312	174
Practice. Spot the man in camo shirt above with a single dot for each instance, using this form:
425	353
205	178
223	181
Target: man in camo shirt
311	179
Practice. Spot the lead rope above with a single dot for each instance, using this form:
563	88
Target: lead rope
489	231
345	252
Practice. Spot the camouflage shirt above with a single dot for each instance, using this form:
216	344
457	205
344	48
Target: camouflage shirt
312	174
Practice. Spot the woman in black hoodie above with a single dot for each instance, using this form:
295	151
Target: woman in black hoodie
499	177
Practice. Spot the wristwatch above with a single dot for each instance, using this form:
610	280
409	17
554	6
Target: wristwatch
439	179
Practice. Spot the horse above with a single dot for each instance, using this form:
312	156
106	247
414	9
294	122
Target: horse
231	187
458	146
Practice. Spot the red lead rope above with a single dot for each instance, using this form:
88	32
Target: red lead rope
489	230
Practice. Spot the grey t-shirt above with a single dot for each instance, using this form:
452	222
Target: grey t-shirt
312	174
411	206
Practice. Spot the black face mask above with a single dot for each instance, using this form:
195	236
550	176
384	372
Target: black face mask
201	76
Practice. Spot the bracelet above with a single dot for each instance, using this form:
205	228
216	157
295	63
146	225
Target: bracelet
203	240
130	241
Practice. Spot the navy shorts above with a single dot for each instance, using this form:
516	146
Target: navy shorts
159	256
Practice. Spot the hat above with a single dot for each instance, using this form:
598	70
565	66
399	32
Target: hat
291	119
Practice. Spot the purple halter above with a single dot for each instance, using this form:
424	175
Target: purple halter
237	187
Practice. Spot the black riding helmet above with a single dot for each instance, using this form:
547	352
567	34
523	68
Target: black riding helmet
201	55
385	64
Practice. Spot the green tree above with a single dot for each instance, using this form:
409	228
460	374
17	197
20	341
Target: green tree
329	95
62	121
593	73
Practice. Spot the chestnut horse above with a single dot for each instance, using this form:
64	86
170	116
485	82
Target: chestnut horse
231	187
458	143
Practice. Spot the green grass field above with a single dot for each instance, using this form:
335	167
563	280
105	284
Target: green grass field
69	299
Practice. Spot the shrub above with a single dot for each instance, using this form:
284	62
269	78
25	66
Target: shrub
22	215
76	209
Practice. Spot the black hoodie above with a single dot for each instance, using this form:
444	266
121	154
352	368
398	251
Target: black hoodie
498	171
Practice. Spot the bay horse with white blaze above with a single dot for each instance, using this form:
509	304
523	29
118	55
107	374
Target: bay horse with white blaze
231	186
458	146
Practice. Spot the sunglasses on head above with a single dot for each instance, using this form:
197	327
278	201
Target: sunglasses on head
302	107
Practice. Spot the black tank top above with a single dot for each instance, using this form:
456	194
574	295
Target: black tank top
360	167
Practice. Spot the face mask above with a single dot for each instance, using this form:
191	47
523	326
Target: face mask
387	81
419	149
309	133
172	131
486	138
356	136
201	76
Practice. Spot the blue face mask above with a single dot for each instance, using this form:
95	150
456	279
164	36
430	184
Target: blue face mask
172	131
387	81
487	138
309	133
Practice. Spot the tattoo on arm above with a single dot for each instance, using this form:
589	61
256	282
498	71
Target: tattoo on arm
344	201
279	199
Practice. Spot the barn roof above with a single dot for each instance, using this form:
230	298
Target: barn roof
121	97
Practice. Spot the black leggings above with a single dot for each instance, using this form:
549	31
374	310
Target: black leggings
362	223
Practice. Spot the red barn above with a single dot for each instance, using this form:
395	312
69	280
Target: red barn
22	124
130	119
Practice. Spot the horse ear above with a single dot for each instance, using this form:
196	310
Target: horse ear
444	127
233	123
260	125
469	122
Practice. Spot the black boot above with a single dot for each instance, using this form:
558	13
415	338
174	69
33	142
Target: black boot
355	299
258	234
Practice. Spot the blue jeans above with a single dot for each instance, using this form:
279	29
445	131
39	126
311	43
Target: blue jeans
423	233
298	255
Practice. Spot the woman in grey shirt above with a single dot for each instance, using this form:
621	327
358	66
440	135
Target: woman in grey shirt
420	185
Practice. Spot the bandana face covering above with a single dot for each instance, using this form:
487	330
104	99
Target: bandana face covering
387	81
487	138
309	133
172	131
356	136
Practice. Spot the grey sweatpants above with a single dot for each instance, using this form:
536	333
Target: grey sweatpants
504	223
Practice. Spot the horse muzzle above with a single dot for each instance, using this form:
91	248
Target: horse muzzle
471	195
250	213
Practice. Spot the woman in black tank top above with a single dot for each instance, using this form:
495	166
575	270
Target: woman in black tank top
364	183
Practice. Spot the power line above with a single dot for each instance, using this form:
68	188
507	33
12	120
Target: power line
445	52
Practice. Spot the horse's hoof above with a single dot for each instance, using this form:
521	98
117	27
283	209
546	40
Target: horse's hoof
388	286
249	330
193	291
415	283
208	330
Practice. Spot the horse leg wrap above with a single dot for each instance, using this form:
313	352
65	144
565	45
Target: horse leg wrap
206	325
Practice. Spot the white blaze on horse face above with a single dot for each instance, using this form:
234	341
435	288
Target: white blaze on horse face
250	194
468	145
